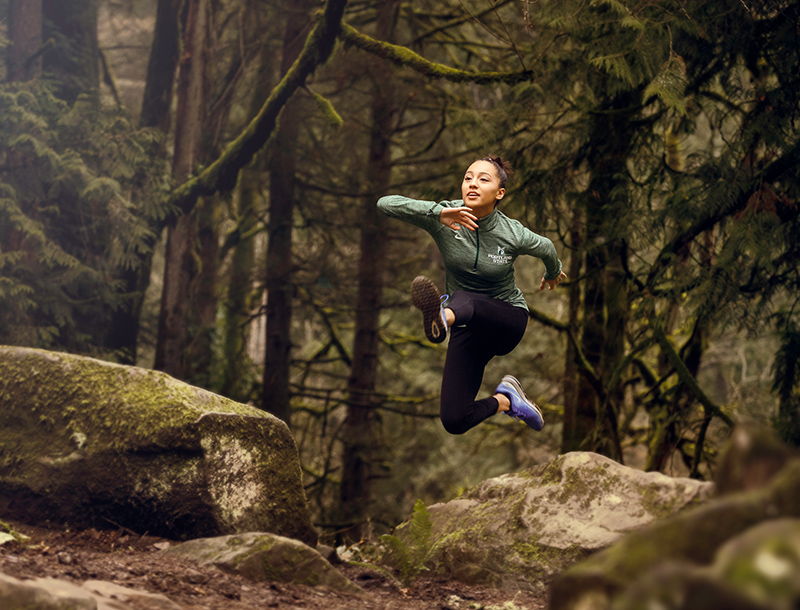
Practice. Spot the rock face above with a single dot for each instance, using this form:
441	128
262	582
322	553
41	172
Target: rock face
92	443
743	547
518	531
261	556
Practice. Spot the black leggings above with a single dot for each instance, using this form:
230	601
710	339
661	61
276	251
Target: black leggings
484	328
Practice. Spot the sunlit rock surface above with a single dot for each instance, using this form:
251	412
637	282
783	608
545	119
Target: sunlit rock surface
518	530
90	443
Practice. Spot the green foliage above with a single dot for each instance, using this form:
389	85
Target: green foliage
69	225
410	552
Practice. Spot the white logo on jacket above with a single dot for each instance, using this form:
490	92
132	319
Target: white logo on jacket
500	258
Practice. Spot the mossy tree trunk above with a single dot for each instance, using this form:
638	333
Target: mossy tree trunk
280	290
361	434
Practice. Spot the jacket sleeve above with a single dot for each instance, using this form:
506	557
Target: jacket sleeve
541	247
423	214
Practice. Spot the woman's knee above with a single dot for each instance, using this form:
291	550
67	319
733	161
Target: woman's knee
454	425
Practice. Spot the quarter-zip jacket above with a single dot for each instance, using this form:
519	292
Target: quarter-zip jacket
480	261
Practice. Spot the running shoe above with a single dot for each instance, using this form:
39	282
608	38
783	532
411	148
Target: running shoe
522	407
427	298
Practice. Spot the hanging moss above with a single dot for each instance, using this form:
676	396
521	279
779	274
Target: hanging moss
403	56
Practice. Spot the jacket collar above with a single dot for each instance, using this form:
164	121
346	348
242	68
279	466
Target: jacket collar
490	221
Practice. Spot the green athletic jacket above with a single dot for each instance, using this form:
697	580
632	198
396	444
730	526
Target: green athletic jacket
479	261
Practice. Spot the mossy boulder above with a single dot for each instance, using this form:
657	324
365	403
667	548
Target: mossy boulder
519	530
262	556
664	555
90	443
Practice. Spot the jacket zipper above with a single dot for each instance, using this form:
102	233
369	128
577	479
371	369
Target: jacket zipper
477	249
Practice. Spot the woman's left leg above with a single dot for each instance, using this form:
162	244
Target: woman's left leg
483	328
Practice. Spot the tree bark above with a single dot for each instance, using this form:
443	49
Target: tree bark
280	290
25	31
180	267
158	89
605	294
574	429
361	430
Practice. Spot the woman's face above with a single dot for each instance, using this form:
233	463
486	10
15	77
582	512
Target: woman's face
481	187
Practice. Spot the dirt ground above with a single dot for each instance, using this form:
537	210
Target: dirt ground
134	561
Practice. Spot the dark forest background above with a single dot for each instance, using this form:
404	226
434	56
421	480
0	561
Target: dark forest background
190	186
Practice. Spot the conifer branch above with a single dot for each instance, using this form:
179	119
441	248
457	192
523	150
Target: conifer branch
686	376
222	174
403	56
786	163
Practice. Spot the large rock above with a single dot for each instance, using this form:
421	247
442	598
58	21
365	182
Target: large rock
661	555
54	594
92	443
261	556
517	531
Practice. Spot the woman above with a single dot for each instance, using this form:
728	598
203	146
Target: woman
487	313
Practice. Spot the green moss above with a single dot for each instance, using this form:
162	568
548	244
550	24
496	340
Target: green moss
115	403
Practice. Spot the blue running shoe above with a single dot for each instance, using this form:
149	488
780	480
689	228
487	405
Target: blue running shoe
522	407
426	297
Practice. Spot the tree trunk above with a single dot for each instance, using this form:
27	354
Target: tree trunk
605	294
575	429
180	267
282	163
75	60
123	334
25	31
361	430
158	89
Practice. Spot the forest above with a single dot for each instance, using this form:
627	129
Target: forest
191	186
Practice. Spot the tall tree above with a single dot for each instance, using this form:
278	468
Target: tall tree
361	434
180	265
24	60
123	332
282	169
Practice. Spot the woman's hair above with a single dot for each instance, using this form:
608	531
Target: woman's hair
504	169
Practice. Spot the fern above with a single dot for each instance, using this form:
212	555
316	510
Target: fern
410	553
68	227
669	85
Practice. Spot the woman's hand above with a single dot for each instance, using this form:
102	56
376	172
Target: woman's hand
455	218
553	283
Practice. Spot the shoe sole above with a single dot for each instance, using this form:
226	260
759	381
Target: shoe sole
427	298
512	381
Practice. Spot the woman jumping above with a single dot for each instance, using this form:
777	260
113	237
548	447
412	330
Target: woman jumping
486	313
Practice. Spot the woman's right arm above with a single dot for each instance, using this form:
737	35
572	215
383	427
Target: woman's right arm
424	214
427	214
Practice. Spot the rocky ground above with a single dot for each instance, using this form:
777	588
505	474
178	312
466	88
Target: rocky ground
135	561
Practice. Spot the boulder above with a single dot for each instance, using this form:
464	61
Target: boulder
656	557
92	443
518	531
263	556
55	594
